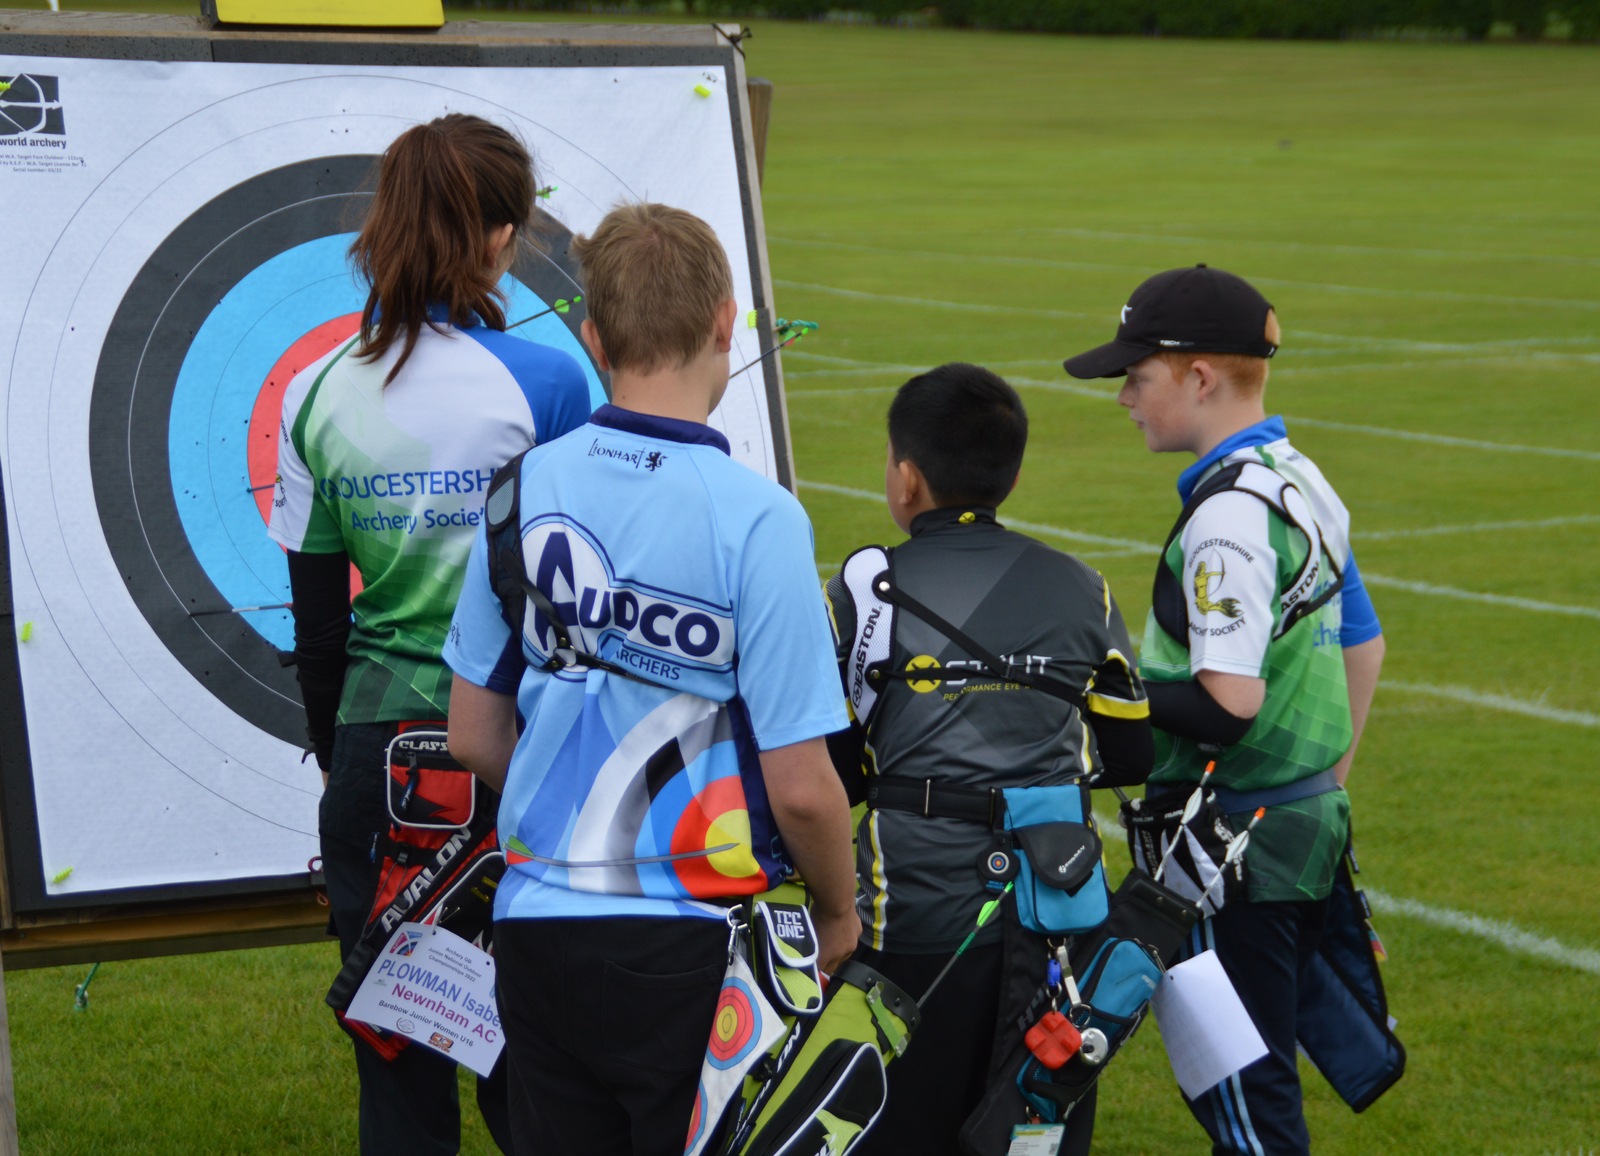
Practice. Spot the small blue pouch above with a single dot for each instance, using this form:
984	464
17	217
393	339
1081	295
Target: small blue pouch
1061	882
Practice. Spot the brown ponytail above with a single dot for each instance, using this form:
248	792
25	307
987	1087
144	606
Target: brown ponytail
443	187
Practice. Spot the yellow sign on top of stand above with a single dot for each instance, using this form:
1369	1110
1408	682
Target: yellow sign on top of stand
348	13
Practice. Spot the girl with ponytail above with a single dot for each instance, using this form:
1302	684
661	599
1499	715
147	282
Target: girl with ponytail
386	449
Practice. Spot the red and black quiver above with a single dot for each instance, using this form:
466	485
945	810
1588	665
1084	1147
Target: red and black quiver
440	862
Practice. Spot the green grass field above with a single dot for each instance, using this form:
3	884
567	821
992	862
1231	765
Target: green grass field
1425	219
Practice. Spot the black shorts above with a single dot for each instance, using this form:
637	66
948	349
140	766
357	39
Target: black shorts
606	1025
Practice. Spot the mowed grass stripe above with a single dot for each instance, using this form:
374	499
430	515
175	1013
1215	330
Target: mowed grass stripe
1147	270
1508	935
849	367
1427	589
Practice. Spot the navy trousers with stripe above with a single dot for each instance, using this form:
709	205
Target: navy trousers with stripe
1263	947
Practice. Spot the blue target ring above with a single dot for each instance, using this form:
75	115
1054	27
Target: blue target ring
218	387
203	325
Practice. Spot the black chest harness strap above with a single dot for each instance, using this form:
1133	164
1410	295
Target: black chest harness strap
869	673
508	575
1170	604
994	667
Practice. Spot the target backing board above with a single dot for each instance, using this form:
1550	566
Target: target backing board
176	238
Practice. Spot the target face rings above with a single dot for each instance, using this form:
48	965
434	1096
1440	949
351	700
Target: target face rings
250	288
736	1027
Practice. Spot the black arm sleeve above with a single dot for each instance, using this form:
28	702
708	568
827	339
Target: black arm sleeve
1187	709
847	748
320	587
1127	750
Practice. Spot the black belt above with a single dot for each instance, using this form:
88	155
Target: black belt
1233	802
937	800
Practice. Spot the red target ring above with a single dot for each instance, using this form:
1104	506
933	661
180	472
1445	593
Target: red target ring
733	1028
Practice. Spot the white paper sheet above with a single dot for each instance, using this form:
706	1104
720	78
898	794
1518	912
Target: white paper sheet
1208	1034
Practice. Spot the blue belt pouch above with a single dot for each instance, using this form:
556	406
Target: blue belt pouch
1044	818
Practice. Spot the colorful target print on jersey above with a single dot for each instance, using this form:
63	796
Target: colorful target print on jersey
251	288
717	819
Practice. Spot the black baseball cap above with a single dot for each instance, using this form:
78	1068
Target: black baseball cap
1203	310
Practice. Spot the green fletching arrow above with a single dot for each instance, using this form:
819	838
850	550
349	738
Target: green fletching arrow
562	305
985	914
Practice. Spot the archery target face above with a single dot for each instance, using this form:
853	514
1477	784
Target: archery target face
175	282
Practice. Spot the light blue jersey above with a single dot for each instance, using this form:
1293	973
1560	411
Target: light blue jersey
664	556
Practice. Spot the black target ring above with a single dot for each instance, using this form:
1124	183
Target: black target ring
151	334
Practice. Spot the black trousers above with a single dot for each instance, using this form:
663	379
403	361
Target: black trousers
409	1104
934	1087
606	1024
1263	947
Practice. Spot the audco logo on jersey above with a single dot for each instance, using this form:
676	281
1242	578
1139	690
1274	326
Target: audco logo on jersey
571	571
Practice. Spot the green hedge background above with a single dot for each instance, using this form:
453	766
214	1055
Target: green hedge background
1276	19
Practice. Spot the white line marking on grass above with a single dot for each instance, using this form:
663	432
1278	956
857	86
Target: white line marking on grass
1507	935
794	393
1127	544
1474	596
1319	286
1132	546
1305	247
1441	440
1314	423
1503	702
966	307
1476	528
1542	357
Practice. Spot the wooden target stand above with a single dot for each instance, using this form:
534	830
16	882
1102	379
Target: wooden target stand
277	32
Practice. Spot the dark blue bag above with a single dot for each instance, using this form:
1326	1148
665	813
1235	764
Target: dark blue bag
1061	881
1343	1017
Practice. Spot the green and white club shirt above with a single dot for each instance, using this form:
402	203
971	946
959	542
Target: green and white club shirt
396	476
1238	560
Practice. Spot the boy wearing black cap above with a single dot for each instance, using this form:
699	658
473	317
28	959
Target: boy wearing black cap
1234	676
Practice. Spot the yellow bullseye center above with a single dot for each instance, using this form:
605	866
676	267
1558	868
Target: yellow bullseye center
727	1024
737	862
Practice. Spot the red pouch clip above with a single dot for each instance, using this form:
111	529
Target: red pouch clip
1053	1040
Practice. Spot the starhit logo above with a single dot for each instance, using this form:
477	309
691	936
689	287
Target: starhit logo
30	106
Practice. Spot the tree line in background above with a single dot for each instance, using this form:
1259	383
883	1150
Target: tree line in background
1294	19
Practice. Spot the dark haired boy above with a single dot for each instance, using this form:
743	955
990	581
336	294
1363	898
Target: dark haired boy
1234	675
924	749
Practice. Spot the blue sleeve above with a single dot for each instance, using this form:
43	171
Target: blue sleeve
788	671
552	381
480	646
1360	621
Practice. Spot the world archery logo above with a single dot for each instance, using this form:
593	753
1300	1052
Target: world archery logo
31	106
1208	578
406	943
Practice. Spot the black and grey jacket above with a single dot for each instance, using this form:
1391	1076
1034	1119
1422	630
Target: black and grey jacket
1047	615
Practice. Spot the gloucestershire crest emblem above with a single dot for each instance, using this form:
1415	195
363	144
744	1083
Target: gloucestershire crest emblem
1208	578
